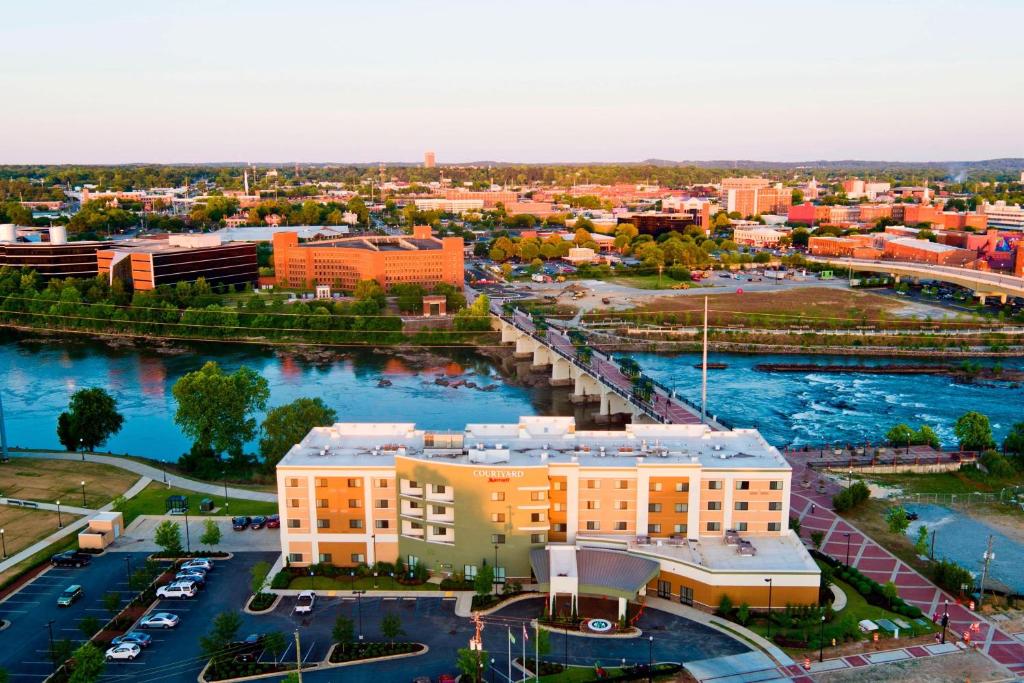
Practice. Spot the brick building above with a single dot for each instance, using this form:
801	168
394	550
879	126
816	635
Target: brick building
145	264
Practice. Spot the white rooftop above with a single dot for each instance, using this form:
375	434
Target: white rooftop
924	245
537	441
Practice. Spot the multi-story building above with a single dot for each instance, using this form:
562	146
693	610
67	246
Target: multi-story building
145	264
419	259
757	236
1003	215
458	206
702	513
694	212
491	198
429	160
754	196
56	258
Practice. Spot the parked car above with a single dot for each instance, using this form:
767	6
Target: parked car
304	603
446	678
160	620
249	649
196	577
258	522
70	594
198	563
178	589
240	523
141	639
70	558
274	522
127	651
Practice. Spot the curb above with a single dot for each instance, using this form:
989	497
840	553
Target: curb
201	678
505	603
268	610
636	633
327	664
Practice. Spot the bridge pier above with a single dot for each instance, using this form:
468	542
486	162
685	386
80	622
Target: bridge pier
525	347
561	372
542	358
509	333
612	404
586	389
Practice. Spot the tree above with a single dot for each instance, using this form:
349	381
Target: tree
258	576
483	584
167	535
890	592
543	646
900	435
291	678
794	524
816	538
89	663
211	533
469	663
112	602
90	420
275	642
286	425
391	626
927	436
89	626
343	632
409	296
897	519
1014	442
215	408
921	544
974	431
215	644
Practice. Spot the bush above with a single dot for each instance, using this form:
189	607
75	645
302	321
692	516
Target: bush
281	580
725	607
996	464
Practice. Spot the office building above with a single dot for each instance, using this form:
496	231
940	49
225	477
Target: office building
1003	215
55	258
429	161
759	236
341	263
754	196
695	213
704	513
148	263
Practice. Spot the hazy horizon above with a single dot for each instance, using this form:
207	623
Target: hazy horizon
118	82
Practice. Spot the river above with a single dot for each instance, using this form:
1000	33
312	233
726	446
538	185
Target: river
40	373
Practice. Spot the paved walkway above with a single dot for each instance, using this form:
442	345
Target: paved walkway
843	540
154	473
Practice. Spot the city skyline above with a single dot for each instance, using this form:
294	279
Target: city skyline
316	82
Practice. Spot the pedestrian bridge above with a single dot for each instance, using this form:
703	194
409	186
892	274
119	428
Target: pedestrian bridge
983	284
594	376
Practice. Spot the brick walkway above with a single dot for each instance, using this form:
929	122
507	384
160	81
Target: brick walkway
843	539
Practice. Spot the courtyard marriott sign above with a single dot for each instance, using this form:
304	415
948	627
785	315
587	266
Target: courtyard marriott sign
499	475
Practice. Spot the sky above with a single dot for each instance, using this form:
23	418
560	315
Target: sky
320	81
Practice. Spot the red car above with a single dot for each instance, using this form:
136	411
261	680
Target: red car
446	678
274	522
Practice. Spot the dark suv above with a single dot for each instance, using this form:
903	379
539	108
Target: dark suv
240	523
70	558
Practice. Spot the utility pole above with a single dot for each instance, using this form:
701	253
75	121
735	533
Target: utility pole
988	557
3	432
704	370
298	656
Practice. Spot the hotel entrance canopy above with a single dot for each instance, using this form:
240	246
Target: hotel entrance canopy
566	569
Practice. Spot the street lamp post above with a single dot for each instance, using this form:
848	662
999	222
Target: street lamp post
945	619
83	494
3	542
494	583
225	487
60	522
53	655
847	534
128	564
821	640
188	542
359	610
769	582
650	659
81	447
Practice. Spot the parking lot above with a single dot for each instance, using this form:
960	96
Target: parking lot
139	535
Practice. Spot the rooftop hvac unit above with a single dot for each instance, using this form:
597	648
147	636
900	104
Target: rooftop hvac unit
544	456
601	449
480	446
694	458
717	447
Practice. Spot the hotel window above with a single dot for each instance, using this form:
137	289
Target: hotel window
293	502
558	527
438	509
774	526
294	524
622	505
655	486
682	507
679	529
413	484
538	495
714	505
593	526
558	485
593	505
412	561
775	485
743	505
439	489
536	516
357	558
440	531
497	539
593	484
295	557
537	538
741	526
469	571
654	528
622	484
714	526
321	483
715	485
323	524
381	504
354	483
497	496
654	507
380	483
355	503
682	487
381	524
325	557
557	507
621	526
355	524
743	485
292	482
775	506
321	502
497	516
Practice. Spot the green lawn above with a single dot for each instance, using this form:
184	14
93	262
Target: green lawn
577	673
152	500
965	481
382	583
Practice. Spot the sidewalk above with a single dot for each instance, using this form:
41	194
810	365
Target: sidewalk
874	561
154	473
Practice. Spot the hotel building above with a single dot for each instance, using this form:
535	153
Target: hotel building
688	512
418	259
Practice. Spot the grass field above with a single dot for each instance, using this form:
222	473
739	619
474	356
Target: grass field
49	480
152	500
965	481
23	527
647	281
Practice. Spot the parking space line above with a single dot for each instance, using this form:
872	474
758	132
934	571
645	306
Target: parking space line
308	651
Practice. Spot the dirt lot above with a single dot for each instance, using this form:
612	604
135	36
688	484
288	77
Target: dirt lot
50	480
955	668
24	527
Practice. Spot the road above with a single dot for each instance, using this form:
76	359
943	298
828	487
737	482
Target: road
973	279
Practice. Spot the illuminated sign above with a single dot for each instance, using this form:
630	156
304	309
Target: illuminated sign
499	475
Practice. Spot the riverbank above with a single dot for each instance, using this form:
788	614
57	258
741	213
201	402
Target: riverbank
959	373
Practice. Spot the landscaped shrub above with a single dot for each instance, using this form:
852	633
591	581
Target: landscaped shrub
281	580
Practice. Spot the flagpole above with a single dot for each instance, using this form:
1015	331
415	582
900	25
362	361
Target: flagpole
509	654
536	651
524	645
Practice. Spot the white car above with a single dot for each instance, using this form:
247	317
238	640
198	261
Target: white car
160	620
178	589
198	563
304	603
127	651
